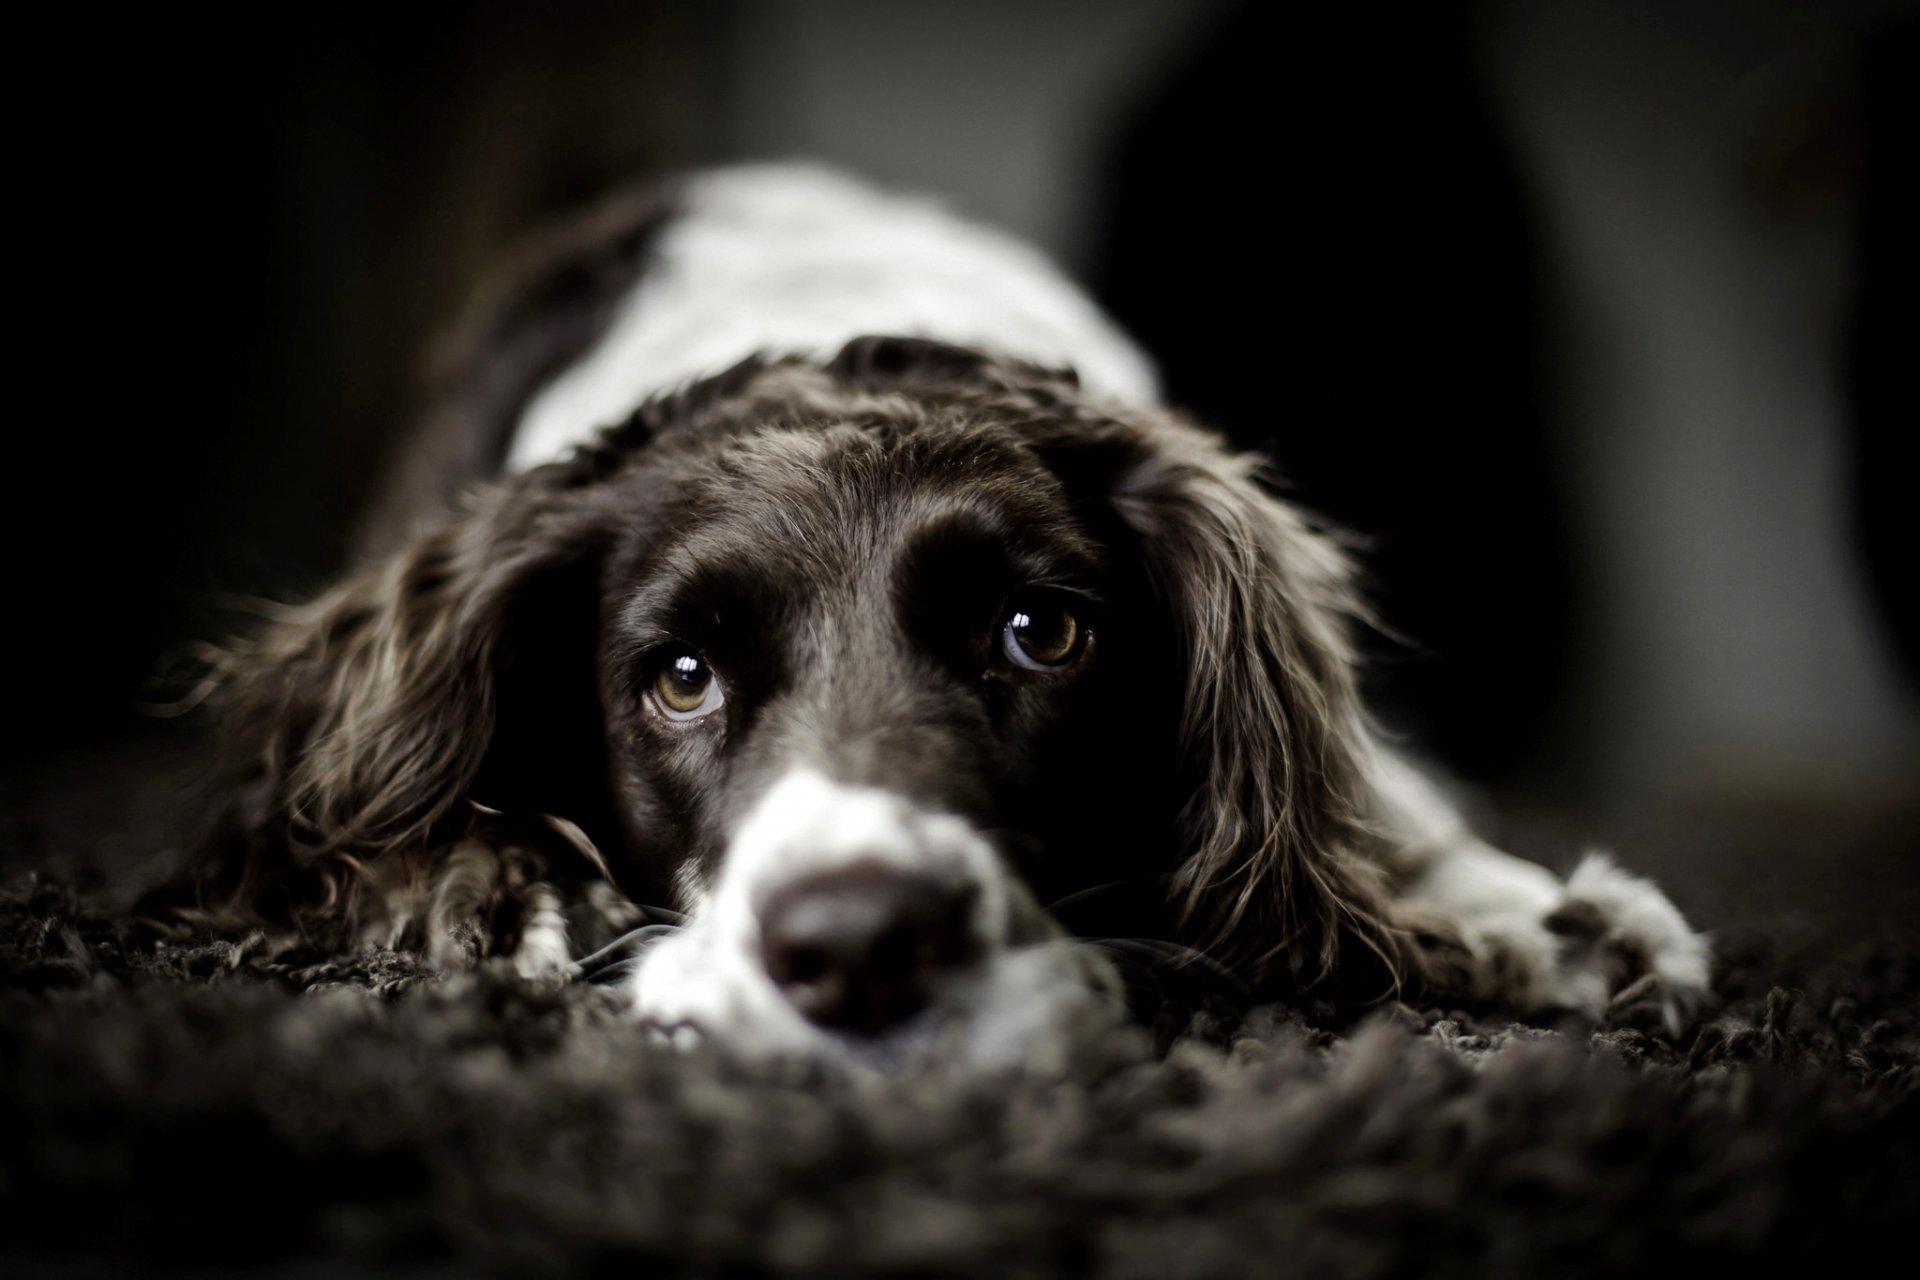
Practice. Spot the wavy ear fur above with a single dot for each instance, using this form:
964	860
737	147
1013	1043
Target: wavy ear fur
1276	751
1275	882
360	722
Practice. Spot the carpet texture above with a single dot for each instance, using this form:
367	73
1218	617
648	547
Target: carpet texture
203	1105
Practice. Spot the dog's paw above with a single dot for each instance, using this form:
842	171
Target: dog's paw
1627	950
1606	945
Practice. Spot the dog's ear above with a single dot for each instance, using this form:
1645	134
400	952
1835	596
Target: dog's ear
1273	740
364	724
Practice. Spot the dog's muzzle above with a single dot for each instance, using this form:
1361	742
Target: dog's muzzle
849	923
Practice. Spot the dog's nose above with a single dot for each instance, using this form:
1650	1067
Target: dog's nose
862	948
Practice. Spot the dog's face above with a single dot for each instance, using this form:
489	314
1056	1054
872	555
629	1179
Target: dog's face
921	610
874	696
866	670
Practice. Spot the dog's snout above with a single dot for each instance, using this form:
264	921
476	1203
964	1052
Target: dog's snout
863	948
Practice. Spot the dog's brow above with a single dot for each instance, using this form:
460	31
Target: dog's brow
983	548
701	599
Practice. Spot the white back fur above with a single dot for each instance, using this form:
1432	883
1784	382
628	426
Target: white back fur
791	259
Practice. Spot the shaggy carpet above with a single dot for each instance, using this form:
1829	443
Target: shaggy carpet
208	1105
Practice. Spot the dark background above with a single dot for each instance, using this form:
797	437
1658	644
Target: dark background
1595	319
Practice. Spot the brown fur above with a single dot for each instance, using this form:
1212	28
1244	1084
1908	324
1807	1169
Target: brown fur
366	717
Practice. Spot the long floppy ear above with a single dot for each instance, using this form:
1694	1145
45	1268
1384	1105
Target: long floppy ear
361	724
1273	739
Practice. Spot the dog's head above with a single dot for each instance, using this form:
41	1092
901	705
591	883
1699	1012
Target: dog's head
889	675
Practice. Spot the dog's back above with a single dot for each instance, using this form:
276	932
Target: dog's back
685	277
791	260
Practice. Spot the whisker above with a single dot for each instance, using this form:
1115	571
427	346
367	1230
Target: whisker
573	835
615	973
1080	896
1157	951
624	950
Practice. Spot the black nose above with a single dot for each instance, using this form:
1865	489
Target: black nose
862	948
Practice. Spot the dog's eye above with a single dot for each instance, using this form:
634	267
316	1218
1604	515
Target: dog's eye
1042	636
684	686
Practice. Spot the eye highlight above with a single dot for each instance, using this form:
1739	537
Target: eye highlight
1042	635
684	687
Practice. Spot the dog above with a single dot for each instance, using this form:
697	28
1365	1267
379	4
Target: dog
802	594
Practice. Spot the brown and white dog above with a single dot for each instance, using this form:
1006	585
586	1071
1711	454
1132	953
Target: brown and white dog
819	577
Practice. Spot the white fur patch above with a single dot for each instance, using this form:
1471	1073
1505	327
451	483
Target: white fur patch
1500	905
792	259
543	947
1016	1003
1640	915
808	824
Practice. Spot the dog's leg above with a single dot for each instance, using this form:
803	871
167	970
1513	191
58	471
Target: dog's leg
1602	939
542	946
476	899
465	887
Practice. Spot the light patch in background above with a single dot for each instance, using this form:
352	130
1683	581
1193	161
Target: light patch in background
1007	107
1697	385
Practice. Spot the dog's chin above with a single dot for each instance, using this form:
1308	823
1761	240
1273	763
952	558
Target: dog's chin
1029	1008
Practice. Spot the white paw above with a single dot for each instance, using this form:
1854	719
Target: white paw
679	1037
1621	929
1605	944
542	950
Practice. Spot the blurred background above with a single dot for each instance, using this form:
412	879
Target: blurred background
1596	318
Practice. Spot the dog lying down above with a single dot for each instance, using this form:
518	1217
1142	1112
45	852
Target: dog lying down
806	593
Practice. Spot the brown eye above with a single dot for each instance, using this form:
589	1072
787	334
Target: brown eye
685	688
1042	636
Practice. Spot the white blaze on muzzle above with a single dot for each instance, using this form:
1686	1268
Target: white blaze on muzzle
810	825
849	922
